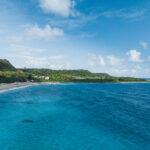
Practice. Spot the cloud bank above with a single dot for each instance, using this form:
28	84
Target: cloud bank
47	32
134	56
63	8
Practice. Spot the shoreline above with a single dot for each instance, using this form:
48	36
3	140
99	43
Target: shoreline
15	85
9	86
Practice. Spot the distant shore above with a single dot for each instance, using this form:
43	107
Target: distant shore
7	86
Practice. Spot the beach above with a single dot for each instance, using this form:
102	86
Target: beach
6	86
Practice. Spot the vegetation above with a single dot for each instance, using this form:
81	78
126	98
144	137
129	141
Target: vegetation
5	65
77	73
108	80
8	74
12	76
129	79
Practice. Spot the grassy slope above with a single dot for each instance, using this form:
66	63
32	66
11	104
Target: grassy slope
5	65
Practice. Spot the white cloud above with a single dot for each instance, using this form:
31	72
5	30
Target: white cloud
91	59
36	62
48	33
134	56
26	50
135	70
144	44
83	19
63	8
114	61
60	66
32	32
94	60
51	62
122	13
131	70
101	61
118	71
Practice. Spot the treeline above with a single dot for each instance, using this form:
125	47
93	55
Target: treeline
69	78
14	76
125	79
80	73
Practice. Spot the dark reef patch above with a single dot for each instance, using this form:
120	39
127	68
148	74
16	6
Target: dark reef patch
32	103
27	121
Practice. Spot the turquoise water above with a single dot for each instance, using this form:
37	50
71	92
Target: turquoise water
76	117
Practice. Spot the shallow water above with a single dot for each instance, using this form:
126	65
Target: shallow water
76	117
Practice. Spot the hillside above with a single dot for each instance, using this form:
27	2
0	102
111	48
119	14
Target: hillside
5	65
78	73
8	74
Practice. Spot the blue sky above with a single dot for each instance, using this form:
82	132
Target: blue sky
101	35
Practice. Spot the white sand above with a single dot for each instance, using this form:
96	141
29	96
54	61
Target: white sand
6	86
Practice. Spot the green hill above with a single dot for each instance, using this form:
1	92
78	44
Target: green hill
77	73
8	74
5	65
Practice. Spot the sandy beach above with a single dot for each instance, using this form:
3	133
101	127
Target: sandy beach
6	86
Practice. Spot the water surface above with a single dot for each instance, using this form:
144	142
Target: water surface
76	117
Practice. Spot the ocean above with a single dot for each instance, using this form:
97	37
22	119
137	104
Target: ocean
76	117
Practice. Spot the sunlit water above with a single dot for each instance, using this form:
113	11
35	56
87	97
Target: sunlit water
76	117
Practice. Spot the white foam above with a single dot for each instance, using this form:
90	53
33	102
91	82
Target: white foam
15	88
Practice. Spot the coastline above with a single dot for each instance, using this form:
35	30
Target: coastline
8	86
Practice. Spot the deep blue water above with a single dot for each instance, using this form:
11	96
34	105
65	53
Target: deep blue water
76	117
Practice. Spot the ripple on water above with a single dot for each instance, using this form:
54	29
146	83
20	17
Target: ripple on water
76	117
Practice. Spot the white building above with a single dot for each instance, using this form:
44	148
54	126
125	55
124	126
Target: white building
47	78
